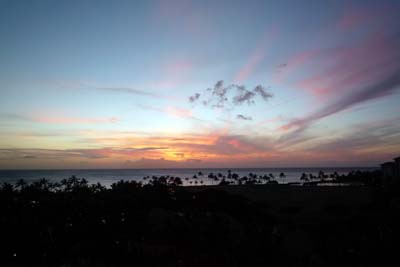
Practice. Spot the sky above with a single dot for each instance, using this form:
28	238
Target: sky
198	84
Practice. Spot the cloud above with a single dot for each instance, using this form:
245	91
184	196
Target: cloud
173	111
74	120
179	112
58	119
367	144
262	92
257	56
373	138
67	84
194	97
243	96
127	90
242	117
354	18
88	153
379	89
221	96
149	163
367	70
183	17
173	73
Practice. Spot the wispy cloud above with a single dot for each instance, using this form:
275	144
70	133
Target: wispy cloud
88	153
368	70
58	119
257	56
377	90
243	117
95	86
354	18
74	120
172	111
127	90
367	143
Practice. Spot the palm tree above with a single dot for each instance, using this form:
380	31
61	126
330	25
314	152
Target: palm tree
7	188
177	181
335	175
21	184
304	177
282	175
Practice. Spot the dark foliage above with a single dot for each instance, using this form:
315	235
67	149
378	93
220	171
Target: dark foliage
74	223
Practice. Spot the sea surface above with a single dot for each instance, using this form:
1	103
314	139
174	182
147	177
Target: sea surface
108	176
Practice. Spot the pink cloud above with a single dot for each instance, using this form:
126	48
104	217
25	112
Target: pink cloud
182	16
256	57
347	68
348	75
57	118
293	64
179	112
74	120
174	73
368	143
354	18
173	111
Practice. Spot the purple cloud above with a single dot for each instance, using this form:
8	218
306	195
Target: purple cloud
221	96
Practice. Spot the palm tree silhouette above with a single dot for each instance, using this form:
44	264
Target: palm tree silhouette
21	184
304	177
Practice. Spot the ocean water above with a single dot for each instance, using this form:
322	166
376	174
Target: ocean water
109	176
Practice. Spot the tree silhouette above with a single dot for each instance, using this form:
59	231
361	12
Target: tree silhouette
21	184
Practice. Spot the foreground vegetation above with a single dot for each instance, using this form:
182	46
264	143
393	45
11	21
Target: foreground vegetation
72	223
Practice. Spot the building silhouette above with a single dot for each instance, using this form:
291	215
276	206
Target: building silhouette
391	171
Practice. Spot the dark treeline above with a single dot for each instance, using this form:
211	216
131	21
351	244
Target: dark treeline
73	223
369	178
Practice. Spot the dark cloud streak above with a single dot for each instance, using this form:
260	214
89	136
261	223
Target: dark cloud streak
127	90
243	117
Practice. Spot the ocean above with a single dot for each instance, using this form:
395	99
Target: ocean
108	176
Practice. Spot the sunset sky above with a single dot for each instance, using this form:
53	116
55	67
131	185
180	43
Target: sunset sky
156	84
